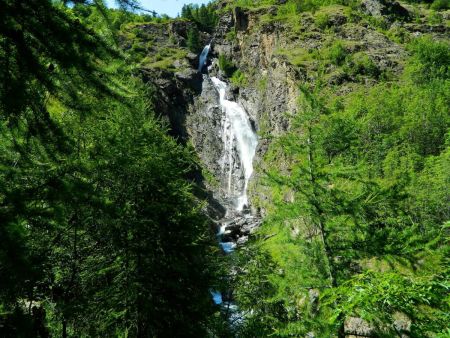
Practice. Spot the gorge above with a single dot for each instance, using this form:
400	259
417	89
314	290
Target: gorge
268	73
248	169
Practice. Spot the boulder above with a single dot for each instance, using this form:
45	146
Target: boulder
385	8
355	326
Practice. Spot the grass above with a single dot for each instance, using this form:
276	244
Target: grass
164	59
299	56
239	79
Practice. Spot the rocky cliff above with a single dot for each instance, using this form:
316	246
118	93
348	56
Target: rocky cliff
266	54
275	53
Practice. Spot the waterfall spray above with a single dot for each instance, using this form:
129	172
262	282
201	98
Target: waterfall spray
203	57
237	130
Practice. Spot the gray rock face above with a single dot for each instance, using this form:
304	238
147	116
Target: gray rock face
357	327
402	324
204	125
270	95
238	228
175	94
385	8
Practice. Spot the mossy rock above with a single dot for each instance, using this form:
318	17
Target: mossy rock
331	16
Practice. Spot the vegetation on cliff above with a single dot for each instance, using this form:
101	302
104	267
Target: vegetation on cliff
366	221
102	235
357	217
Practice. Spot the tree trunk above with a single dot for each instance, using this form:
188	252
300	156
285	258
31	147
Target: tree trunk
64	328
323	233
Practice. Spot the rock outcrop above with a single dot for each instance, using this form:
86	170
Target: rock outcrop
275	56
385	9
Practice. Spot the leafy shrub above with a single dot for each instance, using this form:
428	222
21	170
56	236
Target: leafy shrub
138	47
291	8
337	53
440	5
435	18
398	34
239	79
226	66
322	20
361	64
231	35
430	60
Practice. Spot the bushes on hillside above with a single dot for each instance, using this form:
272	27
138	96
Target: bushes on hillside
226	66
431	59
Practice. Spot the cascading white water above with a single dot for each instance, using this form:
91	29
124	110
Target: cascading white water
237	128
203	57
239	135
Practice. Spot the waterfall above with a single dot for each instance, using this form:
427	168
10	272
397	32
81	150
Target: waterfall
237	130
203	57
239	148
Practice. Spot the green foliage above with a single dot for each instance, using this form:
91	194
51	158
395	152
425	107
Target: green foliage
193	40
337	53
262	84
101	234
164	58
322	20
204	16
255	292
438	5
231	35
239	79
226	65
253	3
361	64
290	8
357	211
379	297
435	18
430	59
299	56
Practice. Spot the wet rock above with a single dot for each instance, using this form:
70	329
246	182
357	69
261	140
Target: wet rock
190	77
192	59
239	228
242	240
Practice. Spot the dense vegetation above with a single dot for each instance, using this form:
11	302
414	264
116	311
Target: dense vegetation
366	222
357	224
100	233
204	16
205	19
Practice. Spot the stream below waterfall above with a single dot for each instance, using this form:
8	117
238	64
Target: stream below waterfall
239	141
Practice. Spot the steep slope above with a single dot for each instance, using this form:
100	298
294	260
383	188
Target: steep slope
350	104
